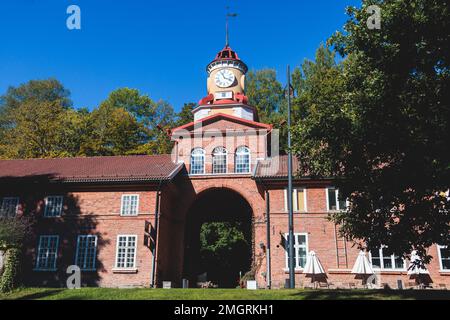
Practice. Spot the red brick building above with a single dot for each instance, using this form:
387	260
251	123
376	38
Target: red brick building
134	221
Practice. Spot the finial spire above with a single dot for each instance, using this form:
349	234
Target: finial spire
226	33
232	15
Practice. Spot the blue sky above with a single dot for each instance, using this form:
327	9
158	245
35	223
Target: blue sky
158	47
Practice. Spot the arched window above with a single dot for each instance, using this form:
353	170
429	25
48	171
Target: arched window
242	160
198	161
219	156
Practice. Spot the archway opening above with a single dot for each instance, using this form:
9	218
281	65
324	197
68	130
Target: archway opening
218	238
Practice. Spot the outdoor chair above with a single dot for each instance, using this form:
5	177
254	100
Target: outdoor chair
352	285
442	286
332	286
411	285
309	286
385	285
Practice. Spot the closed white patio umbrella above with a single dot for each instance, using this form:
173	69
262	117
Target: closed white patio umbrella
313	265
416	266
362	265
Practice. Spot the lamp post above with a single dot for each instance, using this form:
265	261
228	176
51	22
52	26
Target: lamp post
291	252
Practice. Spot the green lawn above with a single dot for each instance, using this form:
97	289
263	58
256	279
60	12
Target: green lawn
219	294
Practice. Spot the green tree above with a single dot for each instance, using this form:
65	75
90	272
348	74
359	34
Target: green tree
75	132
264	92
12	234
114	131
140	106
185	115
32	130
220	244
50	90
154	118
31	118
384	135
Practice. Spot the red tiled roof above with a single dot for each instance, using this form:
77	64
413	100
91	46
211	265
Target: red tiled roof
93	169
275	168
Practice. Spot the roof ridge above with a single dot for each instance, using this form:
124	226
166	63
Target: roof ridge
91	157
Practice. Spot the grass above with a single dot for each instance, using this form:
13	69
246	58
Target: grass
220	294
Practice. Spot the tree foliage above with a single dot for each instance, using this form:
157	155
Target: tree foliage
37	120
11	269
266	93
383	133
185	115
220	244
13	231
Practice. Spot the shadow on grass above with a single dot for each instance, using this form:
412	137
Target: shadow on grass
374	294
41	295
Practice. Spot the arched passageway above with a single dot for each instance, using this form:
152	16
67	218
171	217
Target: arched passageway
218	238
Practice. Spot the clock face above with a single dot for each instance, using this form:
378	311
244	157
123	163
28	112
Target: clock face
224	78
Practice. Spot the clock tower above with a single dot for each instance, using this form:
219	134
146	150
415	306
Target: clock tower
226	88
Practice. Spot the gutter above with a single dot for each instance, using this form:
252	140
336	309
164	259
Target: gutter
155	245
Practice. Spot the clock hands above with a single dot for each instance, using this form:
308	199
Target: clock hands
223	74
224	78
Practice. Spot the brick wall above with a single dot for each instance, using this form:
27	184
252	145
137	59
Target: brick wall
96	211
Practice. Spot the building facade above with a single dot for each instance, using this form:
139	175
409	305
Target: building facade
135	221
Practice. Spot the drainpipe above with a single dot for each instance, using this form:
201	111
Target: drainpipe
154	251
268	262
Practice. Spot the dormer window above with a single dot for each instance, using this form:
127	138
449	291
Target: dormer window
219	156
242	160
198	161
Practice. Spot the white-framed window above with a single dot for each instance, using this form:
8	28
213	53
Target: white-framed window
300	249
126	251
381	259
242	160
53	206
129	205
333	201
219	157
444	258
86	254
47	253
298	200
197	161
9	207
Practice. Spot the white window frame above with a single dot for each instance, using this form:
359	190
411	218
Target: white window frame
441	265
338	207
382	257
85	253
122	205
202	155
237	153
4	200
223	152
296	246
295	200
58	214
41	237
116	266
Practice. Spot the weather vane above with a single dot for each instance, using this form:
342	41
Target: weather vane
232	15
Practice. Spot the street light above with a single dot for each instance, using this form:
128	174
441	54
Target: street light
291	252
